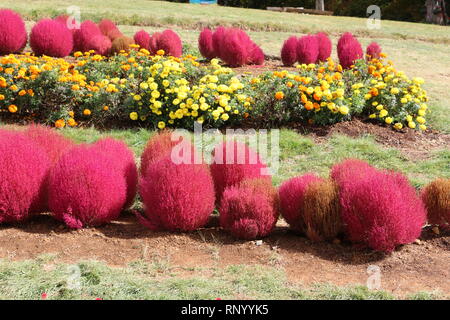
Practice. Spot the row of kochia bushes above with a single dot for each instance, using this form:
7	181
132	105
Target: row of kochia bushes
53	37
91	184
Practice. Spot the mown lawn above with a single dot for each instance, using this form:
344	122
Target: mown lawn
89	280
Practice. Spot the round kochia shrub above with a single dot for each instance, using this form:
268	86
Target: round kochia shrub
289	51
161	145
83	37
51	38
217	39
23	169
308	49
124	157
86	188
234	162
436	197
121	44
177	197
205	44
349	50
53	143
13	35
142	38
380	209
170	42
292	194
249	210
153	45
325	46
322	211
109	29
373	51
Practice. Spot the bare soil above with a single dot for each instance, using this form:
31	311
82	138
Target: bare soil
421	266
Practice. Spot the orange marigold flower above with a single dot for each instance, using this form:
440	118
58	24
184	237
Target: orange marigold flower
12	108
60	123
87	112
279	95
22	92
309	105
105	108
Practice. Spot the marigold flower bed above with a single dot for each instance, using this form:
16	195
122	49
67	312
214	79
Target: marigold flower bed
137	88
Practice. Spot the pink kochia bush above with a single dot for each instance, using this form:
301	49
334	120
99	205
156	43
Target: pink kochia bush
379	209
86	188
205	44
109	29
177	197
373	51
325	46
51	38
234	162
308	49
249	210
53	143
291	195
349	50
90	37
289	51
170	42
142	38
124	157
232	45
13	35
23	170
153	45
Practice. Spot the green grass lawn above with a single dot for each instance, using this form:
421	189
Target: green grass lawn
140	280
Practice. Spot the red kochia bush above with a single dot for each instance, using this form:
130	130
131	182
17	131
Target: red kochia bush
217	39
53	143
177	197
380	209
51	38
124	157
249	210
170	42
13	35
83	36
292	193
350	169
205	44
86	188
159	146
289	51
325	46
23	170
142	38
153	45
349	50
233	163
436	197
234	51
373	51
307	49
109	29
256	55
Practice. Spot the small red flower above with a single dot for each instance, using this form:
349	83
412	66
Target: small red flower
44	296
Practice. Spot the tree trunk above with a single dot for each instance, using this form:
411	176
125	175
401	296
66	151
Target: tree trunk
320	5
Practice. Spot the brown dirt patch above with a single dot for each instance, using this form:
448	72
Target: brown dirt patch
412	268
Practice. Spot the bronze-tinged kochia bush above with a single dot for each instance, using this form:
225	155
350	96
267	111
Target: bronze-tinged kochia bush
436	197
322	211
121	43
250	210
292	195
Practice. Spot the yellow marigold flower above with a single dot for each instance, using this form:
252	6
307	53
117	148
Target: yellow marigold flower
224	117
87	112
423	127
383	113
77	54
395	90
161	124
421	120
160	52
409	118
380	107
75	87
373	116
388	120
412	125
144	85
71	122
134	116
398	126
60	123
137	97
422	112
343	110
71	114
12	108
2	97
279	95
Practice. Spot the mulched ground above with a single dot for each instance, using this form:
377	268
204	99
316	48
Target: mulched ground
422	266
